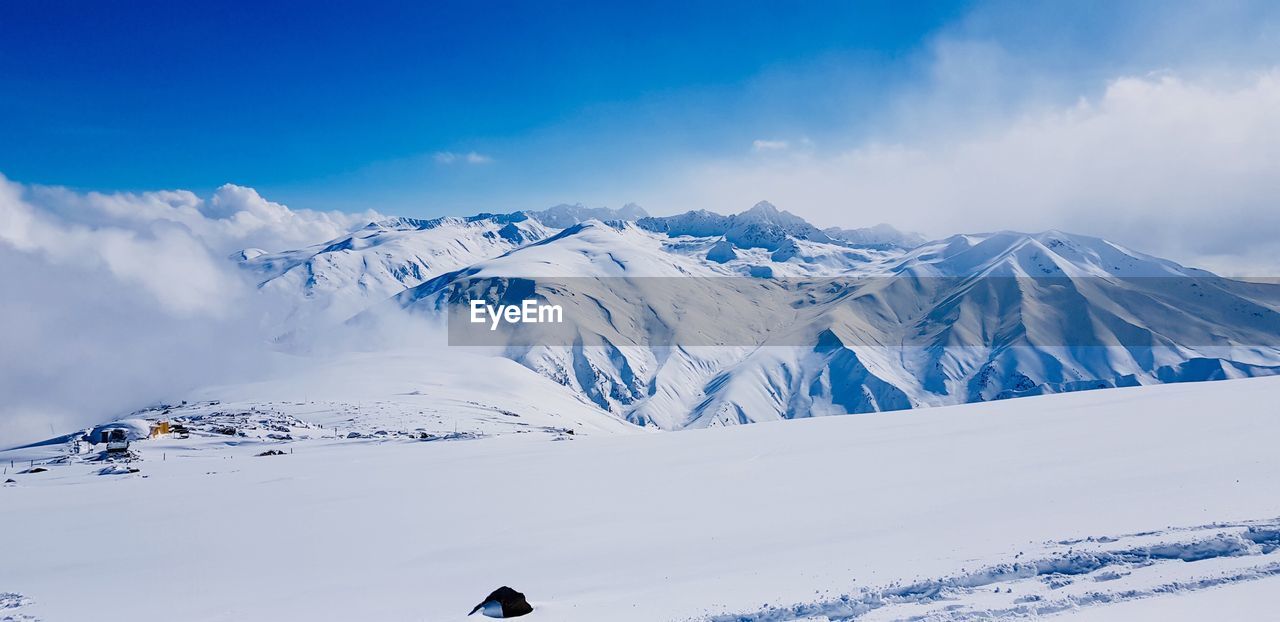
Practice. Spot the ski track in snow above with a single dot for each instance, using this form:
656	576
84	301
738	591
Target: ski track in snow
1066	576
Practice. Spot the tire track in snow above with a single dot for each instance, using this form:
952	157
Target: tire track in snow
10	603
1063	576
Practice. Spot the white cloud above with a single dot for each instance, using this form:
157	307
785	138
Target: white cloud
471	157
1180	167
114	300
163	259
759	145
233	217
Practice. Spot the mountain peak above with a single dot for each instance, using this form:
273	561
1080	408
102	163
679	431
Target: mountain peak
765	211
768	213
1046	253
632	211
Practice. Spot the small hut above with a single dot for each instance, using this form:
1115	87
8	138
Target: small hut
132	429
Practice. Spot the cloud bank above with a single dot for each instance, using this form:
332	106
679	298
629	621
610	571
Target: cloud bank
1182	167
114	300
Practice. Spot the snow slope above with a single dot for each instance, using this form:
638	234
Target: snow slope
422	390
1138	499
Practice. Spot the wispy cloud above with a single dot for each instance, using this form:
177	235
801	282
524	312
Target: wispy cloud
758	145
470	157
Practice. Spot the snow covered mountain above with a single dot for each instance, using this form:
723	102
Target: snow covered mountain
331	281
835	322
975	318
762	226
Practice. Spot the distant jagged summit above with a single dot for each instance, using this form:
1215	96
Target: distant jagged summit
565	215
762	226
878	236
406	223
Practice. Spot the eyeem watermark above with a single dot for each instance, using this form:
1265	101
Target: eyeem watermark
872	311
527	312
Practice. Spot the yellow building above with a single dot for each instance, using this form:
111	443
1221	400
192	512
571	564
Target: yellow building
158	428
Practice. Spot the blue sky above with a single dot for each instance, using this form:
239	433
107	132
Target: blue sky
455	107
294	95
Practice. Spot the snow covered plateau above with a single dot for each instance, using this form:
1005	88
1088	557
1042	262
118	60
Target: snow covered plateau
1138	499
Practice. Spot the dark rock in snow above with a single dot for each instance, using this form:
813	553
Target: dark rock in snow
511	233
722	252
504	602
785	251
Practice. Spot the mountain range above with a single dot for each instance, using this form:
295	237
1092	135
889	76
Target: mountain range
819	321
